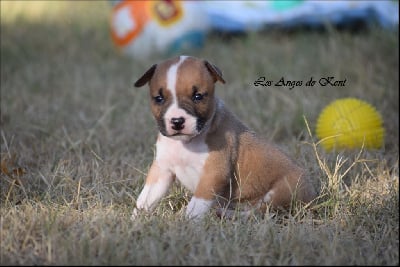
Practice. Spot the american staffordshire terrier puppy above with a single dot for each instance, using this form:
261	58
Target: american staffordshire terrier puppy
208	149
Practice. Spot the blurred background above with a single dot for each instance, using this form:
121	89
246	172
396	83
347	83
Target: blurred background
69	108
77	138
141	28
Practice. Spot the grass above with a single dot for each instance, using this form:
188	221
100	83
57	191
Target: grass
77	140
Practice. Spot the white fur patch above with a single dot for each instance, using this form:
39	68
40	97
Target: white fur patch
268	196
172	77
197	207
185	160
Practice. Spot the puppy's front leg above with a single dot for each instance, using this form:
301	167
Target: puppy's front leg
204	198
158	182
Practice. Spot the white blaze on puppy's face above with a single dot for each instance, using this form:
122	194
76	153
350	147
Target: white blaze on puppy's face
187	125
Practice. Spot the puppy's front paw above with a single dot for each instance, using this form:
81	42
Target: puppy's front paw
197	208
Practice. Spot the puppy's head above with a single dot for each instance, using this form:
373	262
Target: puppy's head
182	95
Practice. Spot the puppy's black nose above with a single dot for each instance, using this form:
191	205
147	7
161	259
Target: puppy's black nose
177	123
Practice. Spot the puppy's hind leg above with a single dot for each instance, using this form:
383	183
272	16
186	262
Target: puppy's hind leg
285	191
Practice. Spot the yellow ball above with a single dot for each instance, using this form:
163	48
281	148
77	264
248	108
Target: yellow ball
350	123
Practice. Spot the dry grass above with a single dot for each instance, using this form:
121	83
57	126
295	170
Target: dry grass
77	140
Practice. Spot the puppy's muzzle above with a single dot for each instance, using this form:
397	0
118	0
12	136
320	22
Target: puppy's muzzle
177	123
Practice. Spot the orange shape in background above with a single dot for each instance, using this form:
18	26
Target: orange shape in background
167	12
136	14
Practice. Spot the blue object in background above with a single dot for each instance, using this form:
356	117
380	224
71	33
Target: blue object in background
190	40
253	15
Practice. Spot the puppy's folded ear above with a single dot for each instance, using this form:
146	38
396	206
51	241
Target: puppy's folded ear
214	71
146	76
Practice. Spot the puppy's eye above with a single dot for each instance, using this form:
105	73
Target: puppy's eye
197	97
158	99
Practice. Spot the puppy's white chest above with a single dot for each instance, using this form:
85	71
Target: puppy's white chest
185	160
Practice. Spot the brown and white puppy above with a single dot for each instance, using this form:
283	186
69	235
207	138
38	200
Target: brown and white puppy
203	145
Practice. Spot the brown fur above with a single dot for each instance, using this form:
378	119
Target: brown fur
243	168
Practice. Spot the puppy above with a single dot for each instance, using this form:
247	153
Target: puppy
208	149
